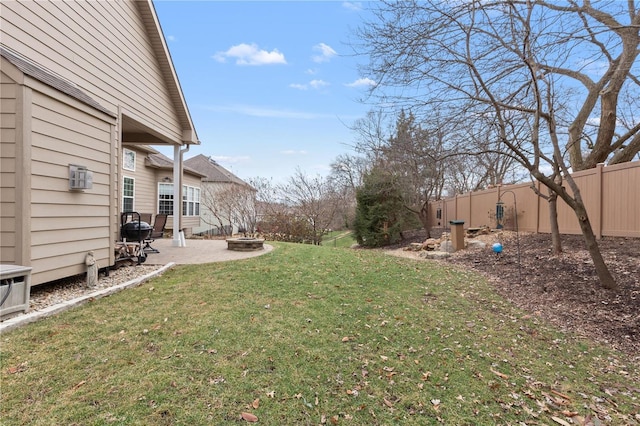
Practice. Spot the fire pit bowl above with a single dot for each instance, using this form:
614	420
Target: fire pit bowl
136	231
245	244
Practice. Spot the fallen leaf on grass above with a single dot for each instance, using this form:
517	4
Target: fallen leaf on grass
249	417
271	394
499	374
388	403
559	421
345	339
17	369
436	404
256	403
568	398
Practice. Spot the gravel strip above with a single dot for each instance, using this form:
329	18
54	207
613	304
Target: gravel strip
46	295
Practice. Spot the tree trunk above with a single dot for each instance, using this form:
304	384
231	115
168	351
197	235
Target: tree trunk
424	218
605	277
556	243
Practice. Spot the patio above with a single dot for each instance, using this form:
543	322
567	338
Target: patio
197	251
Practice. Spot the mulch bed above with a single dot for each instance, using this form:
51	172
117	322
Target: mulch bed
564	289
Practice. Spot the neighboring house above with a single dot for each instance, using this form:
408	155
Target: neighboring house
156	181
79	81
227	202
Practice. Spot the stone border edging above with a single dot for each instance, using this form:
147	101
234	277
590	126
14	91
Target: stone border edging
30	317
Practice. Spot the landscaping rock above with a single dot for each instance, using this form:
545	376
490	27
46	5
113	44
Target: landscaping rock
434	254
476	244
447	246
430	244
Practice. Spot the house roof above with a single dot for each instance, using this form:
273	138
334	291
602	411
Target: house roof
40	73
156	36
213	171
161	161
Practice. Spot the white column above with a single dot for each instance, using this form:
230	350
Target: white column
177	197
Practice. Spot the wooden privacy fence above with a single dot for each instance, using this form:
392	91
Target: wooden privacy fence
611	195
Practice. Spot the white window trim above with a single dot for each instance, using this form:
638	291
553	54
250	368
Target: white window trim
158	198
133	197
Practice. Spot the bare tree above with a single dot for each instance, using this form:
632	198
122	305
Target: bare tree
512	62
346	176
229	205
313	199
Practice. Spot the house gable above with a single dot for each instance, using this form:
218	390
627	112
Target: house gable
112	51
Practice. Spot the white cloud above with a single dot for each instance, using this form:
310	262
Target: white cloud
314	84
171	38
361	82
318	84
311	71
293	152
254	111
354	6
231	160
251	54
326	53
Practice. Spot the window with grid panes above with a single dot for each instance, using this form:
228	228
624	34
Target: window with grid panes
128	192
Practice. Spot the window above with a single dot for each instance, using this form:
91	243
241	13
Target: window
128	191
190	199
165	198
129	159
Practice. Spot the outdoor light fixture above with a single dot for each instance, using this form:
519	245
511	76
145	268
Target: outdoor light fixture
80	177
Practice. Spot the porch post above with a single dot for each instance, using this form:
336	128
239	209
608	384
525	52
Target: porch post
177	196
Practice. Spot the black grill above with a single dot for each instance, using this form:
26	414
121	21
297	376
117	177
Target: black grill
136	231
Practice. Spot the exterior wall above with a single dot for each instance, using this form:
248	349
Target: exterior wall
146	188
610	193
61	236
207	220
189	222
9	206
103	47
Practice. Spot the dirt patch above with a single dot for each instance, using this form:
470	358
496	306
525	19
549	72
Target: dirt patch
562	289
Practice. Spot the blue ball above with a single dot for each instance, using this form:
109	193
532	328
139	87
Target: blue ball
497	247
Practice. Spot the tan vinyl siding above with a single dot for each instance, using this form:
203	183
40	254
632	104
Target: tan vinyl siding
66	224
145	184
190	222
103	47
8	206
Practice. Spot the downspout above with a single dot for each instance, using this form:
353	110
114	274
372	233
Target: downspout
178	235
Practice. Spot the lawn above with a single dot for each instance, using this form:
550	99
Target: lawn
310	335
343	239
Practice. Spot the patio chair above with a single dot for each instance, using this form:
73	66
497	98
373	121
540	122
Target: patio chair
146	217
156	232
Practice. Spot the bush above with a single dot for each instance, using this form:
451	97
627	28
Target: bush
380	215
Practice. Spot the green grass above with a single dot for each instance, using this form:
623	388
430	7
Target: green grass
341	239
309	335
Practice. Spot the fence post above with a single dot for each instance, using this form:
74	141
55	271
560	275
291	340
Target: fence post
597	220
470	209
538	208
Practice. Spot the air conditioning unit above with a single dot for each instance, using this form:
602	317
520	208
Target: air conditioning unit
80	177
15	289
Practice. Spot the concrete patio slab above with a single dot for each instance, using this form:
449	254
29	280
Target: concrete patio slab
197	251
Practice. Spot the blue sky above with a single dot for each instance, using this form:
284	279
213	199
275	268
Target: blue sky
271	86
